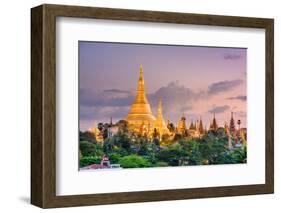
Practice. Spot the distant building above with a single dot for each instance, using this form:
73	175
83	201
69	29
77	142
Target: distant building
236	137
104	164
105	161
213	124
111	131
181	128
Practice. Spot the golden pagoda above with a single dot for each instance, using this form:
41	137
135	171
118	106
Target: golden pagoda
140	116
160	124
181	125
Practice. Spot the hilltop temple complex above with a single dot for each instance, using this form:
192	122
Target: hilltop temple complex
141	121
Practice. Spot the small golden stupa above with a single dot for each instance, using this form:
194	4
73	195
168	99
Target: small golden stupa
182	125
160	123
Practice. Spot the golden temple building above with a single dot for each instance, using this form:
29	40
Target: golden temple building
181	128
196	129
140	118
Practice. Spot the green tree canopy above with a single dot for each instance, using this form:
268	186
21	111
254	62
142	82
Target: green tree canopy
87	136
134	161
90	149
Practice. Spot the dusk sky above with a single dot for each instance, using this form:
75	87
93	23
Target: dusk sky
196	81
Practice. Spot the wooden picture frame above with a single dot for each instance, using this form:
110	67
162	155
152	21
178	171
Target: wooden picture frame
43	105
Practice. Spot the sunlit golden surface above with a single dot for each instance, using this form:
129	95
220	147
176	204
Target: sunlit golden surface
140	118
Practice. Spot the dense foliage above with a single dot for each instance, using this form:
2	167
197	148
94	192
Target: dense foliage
139	151
134	161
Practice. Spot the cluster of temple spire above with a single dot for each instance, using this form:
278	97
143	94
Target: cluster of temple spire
196	129
141	120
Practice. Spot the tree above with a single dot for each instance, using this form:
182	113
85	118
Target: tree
108	146
90	149
122	140
156	141
173	154
105	133
114	157
87	136
120	143
171	127
212	146
88	160
134	161
151	154
100	127
122	126
103	128
240	154
191	151
143	146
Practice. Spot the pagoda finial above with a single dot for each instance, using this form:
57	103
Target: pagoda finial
159	109
141	80
141	69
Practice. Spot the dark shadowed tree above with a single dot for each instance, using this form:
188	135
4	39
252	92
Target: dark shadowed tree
87	136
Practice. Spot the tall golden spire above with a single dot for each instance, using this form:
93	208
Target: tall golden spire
141	97
160	124
140	110
141	80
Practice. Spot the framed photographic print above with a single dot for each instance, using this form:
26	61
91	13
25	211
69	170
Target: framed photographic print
137	106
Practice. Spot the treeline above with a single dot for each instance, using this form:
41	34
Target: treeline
139	152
